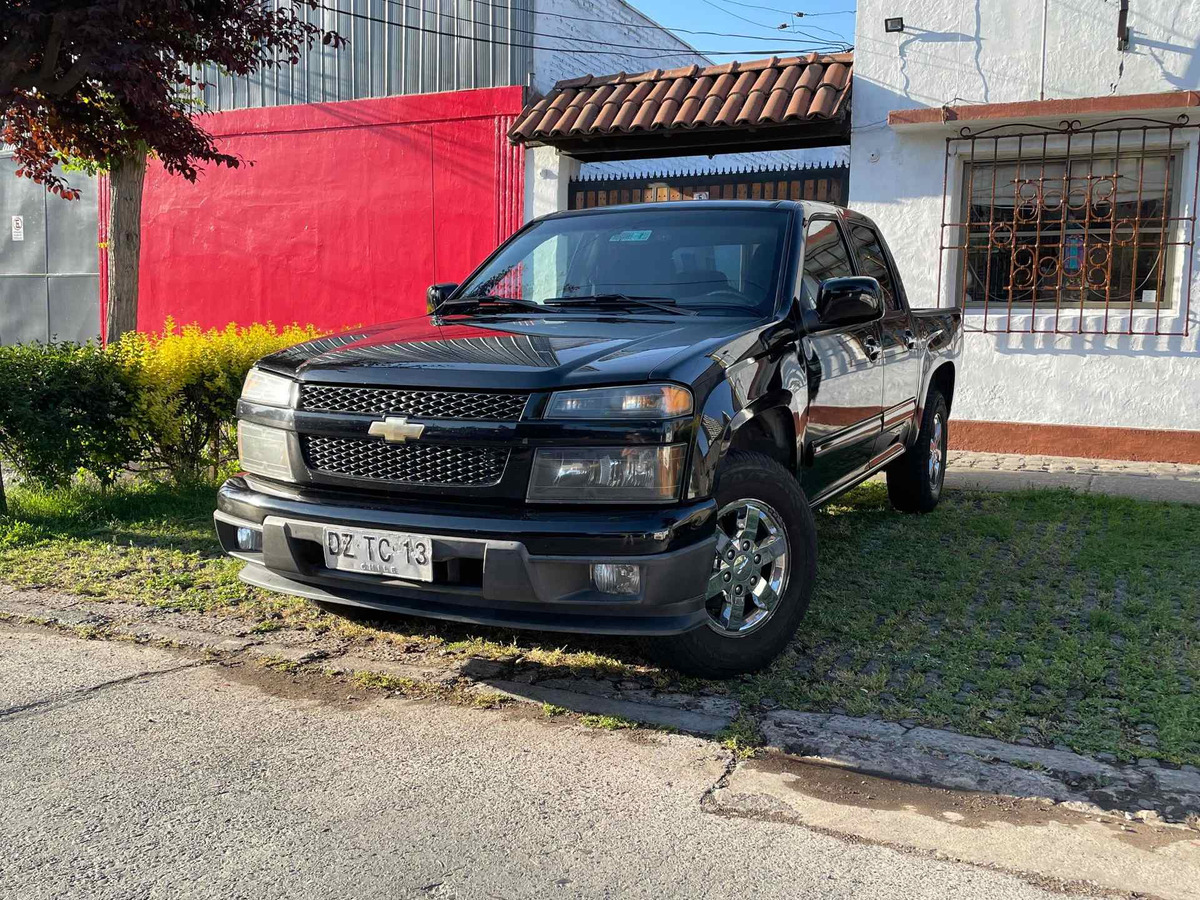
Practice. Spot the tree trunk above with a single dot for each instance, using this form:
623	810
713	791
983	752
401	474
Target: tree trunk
126	177
3	499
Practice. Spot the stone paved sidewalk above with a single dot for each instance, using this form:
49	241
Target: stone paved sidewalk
1174	482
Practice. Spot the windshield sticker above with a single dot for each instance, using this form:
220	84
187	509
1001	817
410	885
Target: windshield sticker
630	236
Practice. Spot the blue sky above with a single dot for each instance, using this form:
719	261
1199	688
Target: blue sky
756	21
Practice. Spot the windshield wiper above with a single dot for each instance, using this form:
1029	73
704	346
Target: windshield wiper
491	300
662	304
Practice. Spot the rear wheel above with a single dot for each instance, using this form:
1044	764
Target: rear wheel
762	576
915	480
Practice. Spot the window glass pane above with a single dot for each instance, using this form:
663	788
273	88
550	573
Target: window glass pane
731	260
726	262
825	256
873	262
1083	231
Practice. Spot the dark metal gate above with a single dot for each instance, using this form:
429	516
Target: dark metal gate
1091	226
827	183
49	276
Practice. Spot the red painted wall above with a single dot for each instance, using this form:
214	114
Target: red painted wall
349	211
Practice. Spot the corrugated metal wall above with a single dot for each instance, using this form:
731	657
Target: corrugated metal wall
396	47
48	278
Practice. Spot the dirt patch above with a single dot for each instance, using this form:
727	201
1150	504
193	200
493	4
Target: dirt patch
287	685
846	787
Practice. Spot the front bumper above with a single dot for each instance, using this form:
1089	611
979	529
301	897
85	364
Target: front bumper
518	569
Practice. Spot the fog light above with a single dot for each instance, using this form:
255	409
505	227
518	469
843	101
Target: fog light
617	579
249	539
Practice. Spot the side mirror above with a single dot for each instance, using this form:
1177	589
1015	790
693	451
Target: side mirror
849	301
436	295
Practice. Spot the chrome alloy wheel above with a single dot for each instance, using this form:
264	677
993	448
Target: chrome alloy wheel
935	451
750	571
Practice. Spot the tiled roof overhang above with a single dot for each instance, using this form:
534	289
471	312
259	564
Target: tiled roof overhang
767	104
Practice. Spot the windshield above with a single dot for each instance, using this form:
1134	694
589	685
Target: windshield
712	261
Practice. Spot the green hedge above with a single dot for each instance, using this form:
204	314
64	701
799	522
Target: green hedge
164	403
63	408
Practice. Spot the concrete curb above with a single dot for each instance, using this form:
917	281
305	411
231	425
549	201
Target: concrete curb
1134	486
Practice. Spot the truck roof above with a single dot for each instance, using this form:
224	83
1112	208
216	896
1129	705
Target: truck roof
808	206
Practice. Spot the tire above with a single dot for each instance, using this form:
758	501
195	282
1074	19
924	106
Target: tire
914	481
713	650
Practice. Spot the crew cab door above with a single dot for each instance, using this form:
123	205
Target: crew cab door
844	367
901	352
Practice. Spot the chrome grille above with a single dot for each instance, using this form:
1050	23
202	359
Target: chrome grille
421	404
404	463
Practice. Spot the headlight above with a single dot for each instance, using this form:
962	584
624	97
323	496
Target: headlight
607	474
643	401
267	389
264	451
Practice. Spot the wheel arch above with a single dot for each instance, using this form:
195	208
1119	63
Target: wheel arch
768	429
767	425
943	379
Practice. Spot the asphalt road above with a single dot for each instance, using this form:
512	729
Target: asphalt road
127	771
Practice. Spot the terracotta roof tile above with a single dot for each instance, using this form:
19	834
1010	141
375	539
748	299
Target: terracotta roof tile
590	110
810	80
679	89
692	102
733	94
629	109
781	93
829	94
644	120
612	105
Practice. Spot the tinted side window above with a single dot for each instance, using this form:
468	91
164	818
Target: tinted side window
825	256
873	261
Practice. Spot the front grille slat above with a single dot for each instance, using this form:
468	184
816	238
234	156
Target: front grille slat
418	403
415	464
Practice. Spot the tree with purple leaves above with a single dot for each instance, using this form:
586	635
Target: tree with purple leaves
100	85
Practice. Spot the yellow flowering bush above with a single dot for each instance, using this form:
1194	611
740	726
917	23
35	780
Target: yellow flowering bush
186	386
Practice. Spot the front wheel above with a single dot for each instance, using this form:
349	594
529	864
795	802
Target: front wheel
762	576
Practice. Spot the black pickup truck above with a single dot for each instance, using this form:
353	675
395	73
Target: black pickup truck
620	423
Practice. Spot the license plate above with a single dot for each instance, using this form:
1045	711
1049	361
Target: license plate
394	553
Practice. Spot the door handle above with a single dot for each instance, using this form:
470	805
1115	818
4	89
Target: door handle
872	347
910	339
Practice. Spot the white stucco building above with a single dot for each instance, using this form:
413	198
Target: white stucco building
1073	129
1083	315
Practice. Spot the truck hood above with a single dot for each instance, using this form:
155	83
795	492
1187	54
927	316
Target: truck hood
511	351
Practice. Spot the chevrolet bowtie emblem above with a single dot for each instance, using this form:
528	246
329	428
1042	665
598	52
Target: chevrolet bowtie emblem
395	429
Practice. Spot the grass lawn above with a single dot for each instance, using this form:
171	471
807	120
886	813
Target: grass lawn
1047	617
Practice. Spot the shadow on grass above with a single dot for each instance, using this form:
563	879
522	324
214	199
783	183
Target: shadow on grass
551	653
155	510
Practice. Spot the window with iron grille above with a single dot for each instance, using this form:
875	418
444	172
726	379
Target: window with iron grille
1070	229
1091	226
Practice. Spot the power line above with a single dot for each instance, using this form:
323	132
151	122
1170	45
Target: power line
836	34
814	37
730	12
672	51
493	24
781	27
788	12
